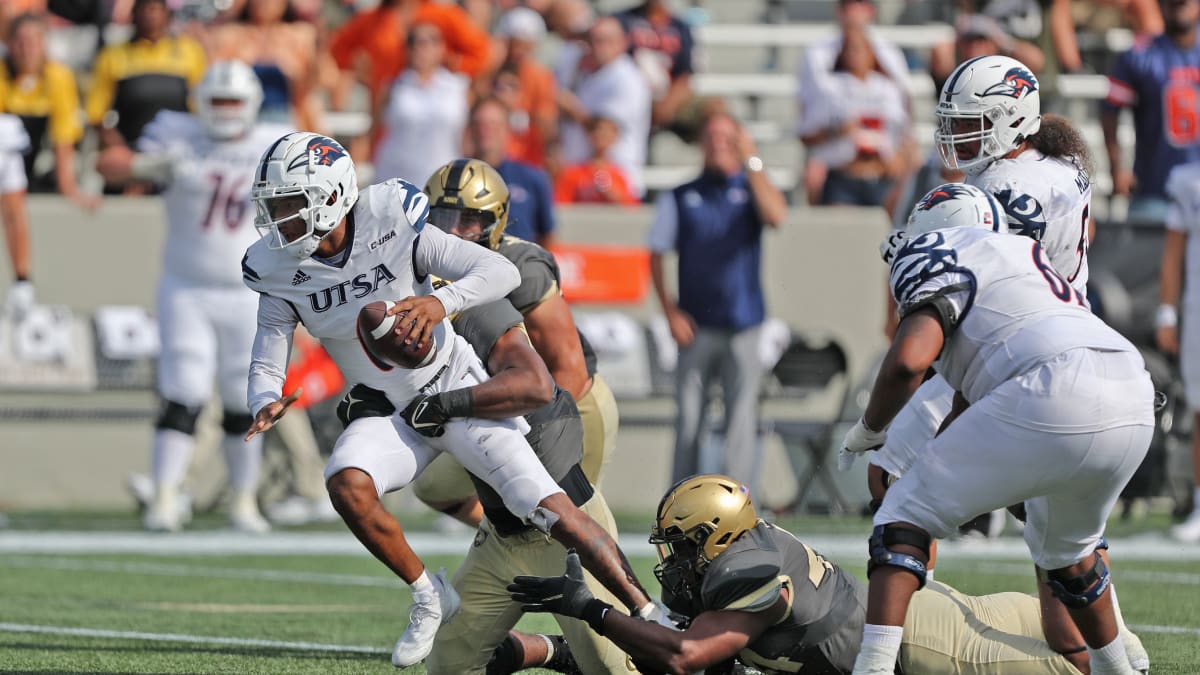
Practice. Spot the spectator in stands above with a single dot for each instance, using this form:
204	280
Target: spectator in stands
42	93
134	80
533	99
530	212
1156	78
420	124
977	34
855	124
1067	18
14	216
283	52
661	45
714	224
597	181
816	71
374	46
606	82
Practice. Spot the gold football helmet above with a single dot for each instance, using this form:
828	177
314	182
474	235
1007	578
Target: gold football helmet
696	521
466	191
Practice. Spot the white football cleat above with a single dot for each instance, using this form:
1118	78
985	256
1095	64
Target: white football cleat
1189	530
244	515
428	613
168	511
297	510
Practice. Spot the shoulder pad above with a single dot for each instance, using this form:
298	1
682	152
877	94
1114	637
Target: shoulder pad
257	265
169	128
743	578
538	268
403	199
12	134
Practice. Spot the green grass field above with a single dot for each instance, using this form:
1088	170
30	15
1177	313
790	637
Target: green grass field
87	612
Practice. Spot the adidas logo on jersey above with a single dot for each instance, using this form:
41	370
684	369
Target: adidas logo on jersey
300	278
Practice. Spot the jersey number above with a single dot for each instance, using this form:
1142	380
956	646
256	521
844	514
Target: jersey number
228	203
1058	286
1181	106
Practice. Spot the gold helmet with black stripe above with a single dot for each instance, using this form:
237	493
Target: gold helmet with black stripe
696	521
469	199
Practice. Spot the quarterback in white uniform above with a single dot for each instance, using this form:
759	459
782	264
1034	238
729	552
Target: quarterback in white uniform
205	162
13	214
1052	408
1178	319
1038	172
326	252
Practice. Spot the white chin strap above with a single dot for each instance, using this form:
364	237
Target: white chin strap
305	247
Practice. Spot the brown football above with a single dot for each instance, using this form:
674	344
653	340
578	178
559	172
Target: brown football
383	338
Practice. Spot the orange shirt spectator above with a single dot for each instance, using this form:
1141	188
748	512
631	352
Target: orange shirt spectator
526	87
597	181
372	43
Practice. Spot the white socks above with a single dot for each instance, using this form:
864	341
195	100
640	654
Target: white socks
1110	659
170	457
423	586
244	459
880	649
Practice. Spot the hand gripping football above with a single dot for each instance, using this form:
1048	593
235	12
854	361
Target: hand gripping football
382	335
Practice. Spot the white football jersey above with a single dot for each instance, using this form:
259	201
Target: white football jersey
210	220
1183	187
1004	308
388	238
1049	200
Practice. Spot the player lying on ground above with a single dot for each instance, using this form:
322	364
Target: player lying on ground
752	592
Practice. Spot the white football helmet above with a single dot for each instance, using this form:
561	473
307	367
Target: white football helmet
999	95
308	165
231	81
955	205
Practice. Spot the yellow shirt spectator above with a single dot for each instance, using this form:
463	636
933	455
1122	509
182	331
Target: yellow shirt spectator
47	103
141	77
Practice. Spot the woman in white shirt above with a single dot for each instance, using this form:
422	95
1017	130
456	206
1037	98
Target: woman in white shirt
420	124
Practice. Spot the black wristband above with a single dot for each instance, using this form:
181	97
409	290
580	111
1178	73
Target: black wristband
457	402
593	614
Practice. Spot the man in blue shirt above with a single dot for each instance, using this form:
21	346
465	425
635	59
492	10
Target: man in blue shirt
1159	78
714	224
530	215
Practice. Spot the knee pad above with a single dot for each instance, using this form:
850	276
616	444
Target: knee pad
1083	590
1102	545
179	417
883	537
236	422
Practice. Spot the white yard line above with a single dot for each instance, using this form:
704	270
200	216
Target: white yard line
191	639
200	571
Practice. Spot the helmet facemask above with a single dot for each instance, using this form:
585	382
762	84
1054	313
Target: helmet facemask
461	222
228	99
290	217
681	564
226	118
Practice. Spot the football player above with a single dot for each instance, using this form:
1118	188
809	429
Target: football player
14	215
327	251
205	162
1051	408
469	199
505	546
1180	294
750	591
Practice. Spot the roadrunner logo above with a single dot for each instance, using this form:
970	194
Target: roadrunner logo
321	151
1017	82
942	194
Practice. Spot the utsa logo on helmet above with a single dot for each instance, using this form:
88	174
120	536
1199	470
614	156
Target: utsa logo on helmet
1017	82
321	151
943	194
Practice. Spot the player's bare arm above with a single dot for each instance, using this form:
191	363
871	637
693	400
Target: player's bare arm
554	336
918	341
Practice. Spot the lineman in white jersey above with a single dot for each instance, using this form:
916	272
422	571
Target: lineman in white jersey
205	161
1037	169
1052	408
1178	320
326	252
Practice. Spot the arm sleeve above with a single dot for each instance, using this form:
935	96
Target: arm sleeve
269	356
479	274
665	228
482	326
103	87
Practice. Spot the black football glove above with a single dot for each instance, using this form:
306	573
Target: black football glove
567	595
426	415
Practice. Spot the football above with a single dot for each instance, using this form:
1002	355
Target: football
383	337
